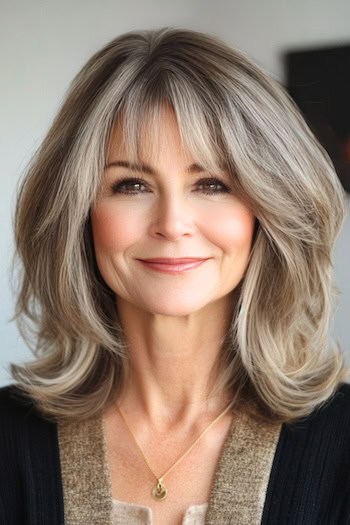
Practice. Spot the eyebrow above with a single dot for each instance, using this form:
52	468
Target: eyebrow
145	168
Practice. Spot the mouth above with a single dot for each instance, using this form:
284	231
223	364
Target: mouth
170	260
170	265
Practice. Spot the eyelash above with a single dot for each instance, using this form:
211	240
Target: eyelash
116	187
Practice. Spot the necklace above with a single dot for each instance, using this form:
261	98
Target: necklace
159	491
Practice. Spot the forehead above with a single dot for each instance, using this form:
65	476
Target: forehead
152	135
159	130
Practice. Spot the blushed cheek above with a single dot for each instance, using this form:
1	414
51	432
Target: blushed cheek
236	229
111	230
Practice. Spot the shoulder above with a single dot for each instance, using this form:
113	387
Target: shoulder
30	479
310	476
328	421
12	398
16	407
340	402
21	423
332	414
23	429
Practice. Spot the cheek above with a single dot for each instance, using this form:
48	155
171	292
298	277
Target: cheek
112	229
236	228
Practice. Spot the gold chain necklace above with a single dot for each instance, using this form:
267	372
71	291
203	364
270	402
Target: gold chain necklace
159	491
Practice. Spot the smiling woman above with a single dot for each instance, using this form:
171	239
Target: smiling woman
174	210
175	231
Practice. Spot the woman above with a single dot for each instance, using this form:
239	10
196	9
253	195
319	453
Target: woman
175	229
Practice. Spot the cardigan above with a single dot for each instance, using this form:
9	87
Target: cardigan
270	474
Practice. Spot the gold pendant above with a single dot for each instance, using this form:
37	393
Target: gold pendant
159	491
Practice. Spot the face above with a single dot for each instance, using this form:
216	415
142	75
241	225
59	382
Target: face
171	209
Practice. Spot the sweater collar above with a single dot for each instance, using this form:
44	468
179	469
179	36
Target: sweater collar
242	475
239	488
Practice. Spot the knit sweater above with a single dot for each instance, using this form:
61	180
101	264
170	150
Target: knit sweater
268	474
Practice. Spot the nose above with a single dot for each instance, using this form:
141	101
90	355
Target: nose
172	218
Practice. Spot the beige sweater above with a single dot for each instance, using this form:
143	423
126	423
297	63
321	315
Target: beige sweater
238	491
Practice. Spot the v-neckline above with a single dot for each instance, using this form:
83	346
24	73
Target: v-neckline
239	486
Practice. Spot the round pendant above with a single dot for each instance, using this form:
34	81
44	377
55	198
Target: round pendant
159	492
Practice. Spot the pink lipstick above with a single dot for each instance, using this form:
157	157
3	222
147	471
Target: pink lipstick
171	265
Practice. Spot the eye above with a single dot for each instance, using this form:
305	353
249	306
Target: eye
133	185
128	183
213	186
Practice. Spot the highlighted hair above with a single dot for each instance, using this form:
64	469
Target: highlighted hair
276	360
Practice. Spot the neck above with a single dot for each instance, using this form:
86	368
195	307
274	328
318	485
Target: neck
173	363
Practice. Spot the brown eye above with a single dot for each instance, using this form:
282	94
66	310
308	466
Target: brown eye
133	186
213	185
128	186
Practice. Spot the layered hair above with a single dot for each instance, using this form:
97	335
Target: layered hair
276	360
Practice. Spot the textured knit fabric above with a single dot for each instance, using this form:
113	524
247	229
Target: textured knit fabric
239	488
242	476
308	482
131	514
86	480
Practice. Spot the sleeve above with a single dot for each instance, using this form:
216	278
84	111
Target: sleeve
30	480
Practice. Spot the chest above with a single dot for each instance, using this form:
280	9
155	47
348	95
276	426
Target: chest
96	467
188	483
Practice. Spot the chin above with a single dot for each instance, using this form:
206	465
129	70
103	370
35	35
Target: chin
173	310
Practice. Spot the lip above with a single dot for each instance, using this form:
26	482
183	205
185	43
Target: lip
171	260
172	266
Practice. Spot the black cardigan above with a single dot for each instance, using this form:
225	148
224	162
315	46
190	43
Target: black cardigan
309	481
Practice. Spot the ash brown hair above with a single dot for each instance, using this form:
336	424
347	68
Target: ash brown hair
277	359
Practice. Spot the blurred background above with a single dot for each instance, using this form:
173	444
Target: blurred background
43	44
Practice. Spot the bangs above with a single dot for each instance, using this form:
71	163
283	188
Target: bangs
140	116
